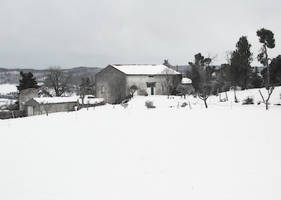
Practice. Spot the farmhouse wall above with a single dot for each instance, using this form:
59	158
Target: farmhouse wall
161	82
39	109
111	85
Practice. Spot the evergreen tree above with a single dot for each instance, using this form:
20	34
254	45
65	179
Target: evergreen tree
240	65
223	80
256	79
241	60
235	71
266	38
274	71
202	77
27	80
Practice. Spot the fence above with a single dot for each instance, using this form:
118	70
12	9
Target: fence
12	114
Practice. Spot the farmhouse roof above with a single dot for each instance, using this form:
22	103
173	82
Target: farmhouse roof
53	100
145	69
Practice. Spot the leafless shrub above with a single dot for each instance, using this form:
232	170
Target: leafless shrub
142	92
149	104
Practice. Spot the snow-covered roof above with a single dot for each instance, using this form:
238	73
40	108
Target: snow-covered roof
145	69
50	100
186	81
91	101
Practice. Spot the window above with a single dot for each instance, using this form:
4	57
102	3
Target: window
150	84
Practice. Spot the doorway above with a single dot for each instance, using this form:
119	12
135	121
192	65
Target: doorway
29	110
151	88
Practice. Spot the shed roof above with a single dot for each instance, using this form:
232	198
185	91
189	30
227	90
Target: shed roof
91	101
145	69
186	81
53	100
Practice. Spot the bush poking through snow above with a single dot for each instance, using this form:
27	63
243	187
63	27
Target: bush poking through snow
142	92
124	103
184	104
149	104
248	100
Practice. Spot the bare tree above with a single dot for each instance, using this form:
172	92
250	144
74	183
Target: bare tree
85	88
169	82
58	80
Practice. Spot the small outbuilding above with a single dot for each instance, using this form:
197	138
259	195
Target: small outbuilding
25	95
116	82
46	105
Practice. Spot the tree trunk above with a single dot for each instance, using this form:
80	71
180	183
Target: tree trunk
235	97
266	105
205	102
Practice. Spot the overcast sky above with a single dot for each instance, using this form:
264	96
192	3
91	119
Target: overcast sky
69	33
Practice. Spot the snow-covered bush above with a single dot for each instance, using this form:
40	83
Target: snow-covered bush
149	104
248	100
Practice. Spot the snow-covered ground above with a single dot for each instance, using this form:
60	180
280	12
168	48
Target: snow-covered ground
7	88
228	151
4	90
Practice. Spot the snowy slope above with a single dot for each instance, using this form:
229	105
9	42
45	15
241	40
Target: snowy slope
135	153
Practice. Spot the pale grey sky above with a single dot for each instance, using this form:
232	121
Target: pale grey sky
69	33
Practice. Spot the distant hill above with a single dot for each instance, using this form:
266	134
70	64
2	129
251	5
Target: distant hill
12	75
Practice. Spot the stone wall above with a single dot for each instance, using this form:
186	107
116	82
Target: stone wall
161	83
39	109
26	95
111	85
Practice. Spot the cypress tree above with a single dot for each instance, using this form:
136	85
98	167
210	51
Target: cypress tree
27	80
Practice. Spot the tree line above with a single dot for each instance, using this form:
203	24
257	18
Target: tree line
57	82
238	72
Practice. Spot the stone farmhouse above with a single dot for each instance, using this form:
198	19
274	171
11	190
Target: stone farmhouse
113	83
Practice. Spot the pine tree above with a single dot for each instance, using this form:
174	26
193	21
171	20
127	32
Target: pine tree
202	77
256	79
241	60
266	38
240	65
274	71
27	81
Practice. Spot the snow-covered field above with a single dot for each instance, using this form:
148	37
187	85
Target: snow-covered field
4	90
228	151
7	88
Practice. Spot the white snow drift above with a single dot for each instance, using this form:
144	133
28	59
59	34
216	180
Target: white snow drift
108	152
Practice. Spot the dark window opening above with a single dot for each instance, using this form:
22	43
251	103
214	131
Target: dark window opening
151	84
